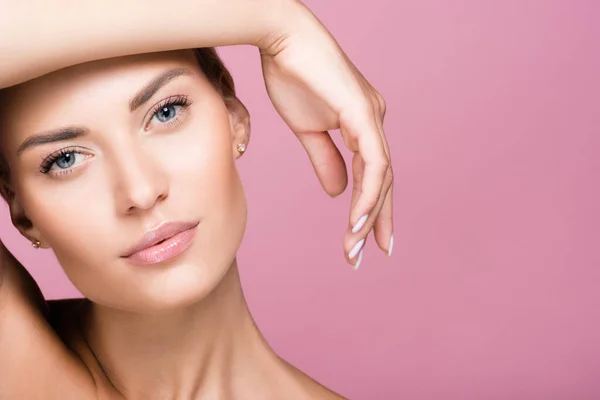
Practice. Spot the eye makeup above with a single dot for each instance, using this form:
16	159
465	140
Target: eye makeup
67	156
167	113
178	103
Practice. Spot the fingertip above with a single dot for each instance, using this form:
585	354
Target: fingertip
360	223
359	259
334	189
383	227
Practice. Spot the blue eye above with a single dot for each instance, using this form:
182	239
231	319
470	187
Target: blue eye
167	113
63	161
66	160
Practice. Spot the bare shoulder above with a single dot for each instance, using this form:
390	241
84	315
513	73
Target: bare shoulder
320	392
313	389
332	396
37	362
327	394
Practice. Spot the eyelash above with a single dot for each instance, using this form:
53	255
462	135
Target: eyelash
49	161
179	100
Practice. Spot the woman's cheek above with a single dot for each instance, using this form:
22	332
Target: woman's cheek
62	215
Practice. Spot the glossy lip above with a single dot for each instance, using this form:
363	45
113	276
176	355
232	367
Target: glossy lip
163	232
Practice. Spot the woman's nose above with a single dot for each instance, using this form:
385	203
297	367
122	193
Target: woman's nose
141	182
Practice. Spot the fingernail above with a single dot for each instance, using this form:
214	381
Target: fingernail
391	245
360	223
356	249
360	256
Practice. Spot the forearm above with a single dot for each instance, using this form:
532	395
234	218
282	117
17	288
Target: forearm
40	36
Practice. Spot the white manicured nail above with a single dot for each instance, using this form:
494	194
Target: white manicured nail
360	223
391	245
356	249
360	256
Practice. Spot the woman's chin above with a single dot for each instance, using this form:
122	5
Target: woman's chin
179	288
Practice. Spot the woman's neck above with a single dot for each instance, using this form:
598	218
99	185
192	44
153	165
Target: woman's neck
211	349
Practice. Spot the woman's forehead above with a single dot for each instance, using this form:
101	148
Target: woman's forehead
118	73
69	95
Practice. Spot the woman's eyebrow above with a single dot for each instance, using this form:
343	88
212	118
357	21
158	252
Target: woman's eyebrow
57	135
137	101
155	84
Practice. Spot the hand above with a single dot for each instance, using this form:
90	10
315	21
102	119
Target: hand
316	88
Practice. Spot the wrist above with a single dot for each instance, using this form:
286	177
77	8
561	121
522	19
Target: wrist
283	19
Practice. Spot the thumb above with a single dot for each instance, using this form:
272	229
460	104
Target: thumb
327	161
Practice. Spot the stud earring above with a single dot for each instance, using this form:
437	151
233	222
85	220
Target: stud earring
241	147
36	244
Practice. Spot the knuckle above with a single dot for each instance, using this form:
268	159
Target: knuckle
389	176
381	103
367	107
359	110
384	165
361	113
372	201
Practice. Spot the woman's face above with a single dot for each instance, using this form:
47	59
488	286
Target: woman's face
103	152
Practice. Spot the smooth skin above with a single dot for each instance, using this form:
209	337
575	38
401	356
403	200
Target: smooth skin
180	329
313	86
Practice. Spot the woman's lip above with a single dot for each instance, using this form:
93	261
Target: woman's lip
163	232
164	251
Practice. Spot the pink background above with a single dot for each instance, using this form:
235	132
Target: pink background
492	291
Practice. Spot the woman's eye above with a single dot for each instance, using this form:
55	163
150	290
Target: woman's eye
167	113
63	163
67	160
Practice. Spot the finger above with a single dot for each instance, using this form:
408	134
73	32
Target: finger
351	251
363	131
383	228
326	160
383	224
380	217
379	110
355	239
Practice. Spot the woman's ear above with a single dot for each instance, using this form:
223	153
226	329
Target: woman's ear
239	119
19	218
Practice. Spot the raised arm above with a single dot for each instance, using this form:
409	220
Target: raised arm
311	82
39	36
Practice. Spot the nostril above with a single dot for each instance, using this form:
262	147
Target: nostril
162	196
